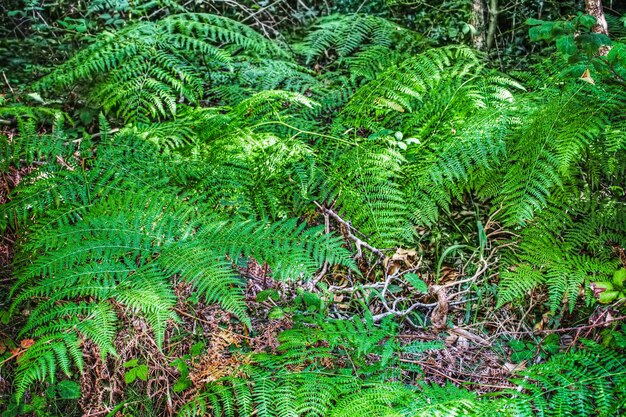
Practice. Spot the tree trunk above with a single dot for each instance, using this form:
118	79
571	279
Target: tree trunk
479	14
493	23
594	8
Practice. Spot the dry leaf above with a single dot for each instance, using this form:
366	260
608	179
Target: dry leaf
462	342
451	339
26	343
545	319
515	367
586	77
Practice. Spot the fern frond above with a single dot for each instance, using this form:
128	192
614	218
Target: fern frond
143	69
343	35
573	254
546	149
365	182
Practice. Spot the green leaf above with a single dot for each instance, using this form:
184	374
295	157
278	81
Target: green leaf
388	350
51	391
181	365
551	344
130	376
276	313
181	385
591	42
266	294
587	21
5	316
142	372
617	55
517	345
394	289
607	297
68	390
538	33
131	363
566	45
535	22
197	348
416	282
519	356
619	277
311	300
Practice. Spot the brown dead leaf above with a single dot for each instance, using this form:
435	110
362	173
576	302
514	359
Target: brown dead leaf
451	339
587	77
448	275
463	342
439	315
26	343
515	367
545	319
402	257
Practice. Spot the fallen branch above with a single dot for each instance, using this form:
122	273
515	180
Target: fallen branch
349	228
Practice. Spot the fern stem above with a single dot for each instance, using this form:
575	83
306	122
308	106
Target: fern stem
304	132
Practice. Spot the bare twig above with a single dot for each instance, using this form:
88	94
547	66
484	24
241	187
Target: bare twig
349	228
7	83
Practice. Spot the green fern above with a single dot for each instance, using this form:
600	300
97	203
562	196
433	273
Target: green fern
366	183
576	251
346	34
546	153
32	147
84	239
143	69
454	114
587	382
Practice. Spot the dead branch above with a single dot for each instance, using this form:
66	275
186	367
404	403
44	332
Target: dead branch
348	233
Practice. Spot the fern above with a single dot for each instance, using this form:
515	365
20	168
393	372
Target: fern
84	239
576	251
347	34
545	153
56	351
366	183
143	69
456	114
181	191
400	92
589	381
32	146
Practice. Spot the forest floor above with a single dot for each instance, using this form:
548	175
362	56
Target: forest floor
472	356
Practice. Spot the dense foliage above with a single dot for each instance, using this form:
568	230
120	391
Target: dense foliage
203	216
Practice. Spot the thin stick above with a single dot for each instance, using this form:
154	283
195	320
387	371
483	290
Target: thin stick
359	243
7	83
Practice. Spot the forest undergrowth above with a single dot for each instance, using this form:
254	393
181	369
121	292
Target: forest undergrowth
205	214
